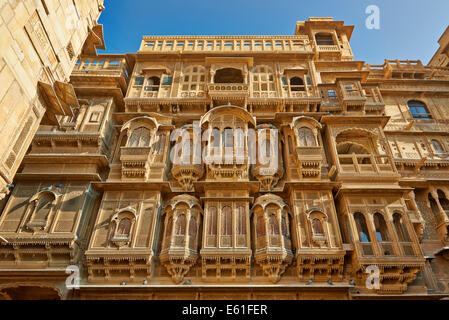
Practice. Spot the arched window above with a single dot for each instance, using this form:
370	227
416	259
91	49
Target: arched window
400	228
317	227
444	202
180	229
324	39
212	223
306	137
273	225
297	84
192	227
263	79
381	228
226	221
433	204
228	75
437	147
194	79
153	84
241	221
261	226
418	110
124	227
140	137
362	228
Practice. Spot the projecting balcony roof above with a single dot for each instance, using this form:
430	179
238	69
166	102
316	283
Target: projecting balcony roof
226	44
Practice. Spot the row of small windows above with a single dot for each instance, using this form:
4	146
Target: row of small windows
195	77
380	227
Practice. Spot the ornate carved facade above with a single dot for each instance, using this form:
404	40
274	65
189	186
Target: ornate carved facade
157	185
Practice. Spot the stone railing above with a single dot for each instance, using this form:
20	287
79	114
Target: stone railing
365	164
223	88
163	44
101	64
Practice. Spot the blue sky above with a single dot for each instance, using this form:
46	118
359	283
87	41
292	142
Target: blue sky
408	28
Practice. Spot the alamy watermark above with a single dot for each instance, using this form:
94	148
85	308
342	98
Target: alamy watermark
373	20
74	279
373	280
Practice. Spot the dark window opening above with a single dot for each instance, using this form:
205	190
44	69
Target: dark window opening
324	39
297	84
228	75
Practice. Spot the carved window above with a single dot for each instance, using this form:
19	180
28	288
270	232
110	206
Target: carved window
212	223
297	84
241	220
381	228
226	221
306	137
437	147
362	228
180	228
419	110
192	227
317	227
273	225
401	229
263	79
324	39
261	226
140	137
194	79
124	227
153	84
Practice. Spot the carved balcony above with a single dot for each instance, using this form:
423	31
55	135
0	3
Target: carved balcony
273	253
330	101
398	263
309	161
180	242
361	166
273	241
135	161
228	169
222	93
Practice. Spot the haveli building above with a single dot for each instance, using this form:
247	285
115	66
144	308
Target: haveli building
362	177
